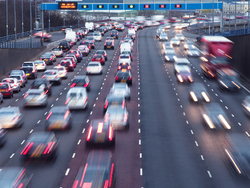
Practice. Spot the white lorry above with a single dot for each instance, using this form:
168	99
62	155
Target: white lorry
72	36
89	26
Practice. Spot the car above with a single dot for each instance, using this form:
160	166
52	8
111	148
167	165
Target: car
158	32
109	45
62	71
180	62
68	30
58	52
11	117
124	76
69	41
100	133
124	58
163	37
90	38
59	118
97	36
246	105
119	27
80	33
228	80
194	52
184	74
78	37
3	139
15	177
98	170
47	59
86	43
35	97
178	26
129	53
175	42
214	116
77	98
42	84
92	43
28	64
21	73
131	36
121	89
198	93
100	58
189	45
67	64
236	154
113	99
40	65
76	53
110	38
84	50
114	34
30	72
72	59
81	81
102	52
167	46
40	145
14	84
64	45
118	116
94	67
52	54
124	65
20	80
53	76
180	37
38	34
170	55
101	31
6	89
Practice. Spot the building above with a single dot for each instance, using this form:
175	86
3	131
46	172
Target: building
241	7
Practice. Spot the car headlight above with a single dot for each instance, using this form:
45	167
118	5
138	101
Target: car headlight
193	96
185	46
224	122
180	78
205	96
223	84
167	58
208	121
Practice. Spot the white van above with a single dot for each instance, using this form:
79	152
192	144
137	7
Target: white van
89	26
131	31
77	98
125	47
72	36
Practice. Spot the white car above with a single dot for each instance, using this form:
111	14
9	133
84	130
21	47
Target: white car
77	98
29	64
35	97
131	31
124	58
62	71
181	62
195	52
180	37
94	67
175	42
97	36
10	117
84	50
120	89
52	76
58	52
163	37
14	84
40	65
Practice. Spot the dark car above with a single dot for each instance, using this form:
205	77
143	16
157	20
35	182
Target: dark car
99	171
184	74
100	133
170	55
81	81
47	58
113	99
119	28
101	30
30	72
67	64
92	44
81	33
64	45
228	80
124	76
2	137
14	177
114	34
124	66
78	37
59	118
71	44
77	55
198	93
42	83
100	58
40	145
102	52
109	45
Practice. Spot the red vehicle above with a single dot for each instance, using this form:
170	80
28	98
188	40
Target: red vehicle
216	52
100	58
6	89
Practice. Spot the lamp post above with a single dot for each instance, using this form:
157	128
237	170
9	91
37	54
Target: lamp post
42	24
49	20
235	16
15	20
7	20
22	19
213	19
30	26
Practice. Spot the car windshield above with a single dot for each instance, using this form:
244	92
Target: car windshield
96	34
124	57
58	68
100	52
27	69
122	74
56	49
8	80
39	138
35	93
78	80
37	83
4	86
182	63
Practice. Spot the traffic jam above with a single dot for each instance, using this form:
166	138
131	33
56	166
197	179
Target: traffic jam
80	61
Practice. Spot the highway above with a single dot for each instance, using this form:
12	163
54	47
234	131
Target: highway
167	145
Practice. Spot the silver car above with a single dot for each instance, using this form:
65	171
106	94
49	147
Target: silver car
62	71
121	89
175	42
53	76
40	65
20	80
14	84
10	117
35	97
84	50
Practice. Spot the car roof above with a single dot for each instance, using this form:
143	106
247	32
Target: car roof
120	85
40	136
10	174
9	109
59	109
77	89
35	91
94	62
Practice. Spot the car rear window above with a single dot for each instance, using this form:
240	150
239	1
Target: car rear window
79	80
8	80
27	69
27	64
4	86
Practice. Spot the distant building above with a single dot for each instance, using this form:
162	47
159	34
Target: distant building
241	7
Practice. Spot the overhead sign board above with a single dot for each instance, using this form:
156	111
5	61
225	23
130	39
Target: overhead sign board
67	5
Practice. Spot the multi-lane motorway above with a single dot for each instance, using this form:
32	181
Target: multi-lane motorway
167	145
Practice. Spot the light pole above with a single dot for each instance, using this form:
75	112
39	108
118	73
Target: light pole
213	18
49	20
7	20
15	20
235	15
22	19
248	17
30	26
42	25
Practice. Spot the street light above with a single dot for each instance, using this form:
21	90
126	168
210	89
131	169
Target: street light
7	20
15	20
22	19
30	26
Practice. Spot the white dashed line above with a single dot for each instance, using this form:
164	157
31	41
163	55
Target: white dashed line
196	143
67	172
52	105
202	158
45	113
83	130
140	155
38	121
226	107
139	130
78	142
191	131
141	171
139	120
209	174
73	156
87	121
16	100
12	155
187	122
239	123
31	131
22	142
139	142
57	99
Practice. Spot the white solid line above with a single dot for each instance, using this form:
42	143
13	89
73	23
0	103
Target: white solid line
209	174
12	155
141	171
67	172
79	141
196	143
22	142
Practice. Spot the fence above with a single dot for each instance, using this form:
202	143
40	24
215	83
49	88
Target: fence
11	44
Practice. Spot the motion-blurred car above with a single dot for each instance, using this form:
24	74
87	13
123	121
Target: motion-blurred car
59	117
14	84
214	116
77	98
109	45
62	71
170	55
124	65
180	62
40	65
113	99
40	145
84	50
53	76
52	54
11	117
67	64
167	45
100	58
246	105
3	138
64	45
180	37
99	171
47	59
118	116
189	45
121	89
102	52
124	76
6	89
35	97
81	81
163	37
195	52
114	34
198	93
30	72
228	80
14	177
158	32
58	52
21	73
76	54
42	84
94	67
100	133
175	42
184	74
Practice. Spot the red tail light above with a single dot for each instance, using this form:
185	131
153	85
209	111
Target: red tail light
49	116
106	117
116	78
128	67
75	184
123	104
119	67
40	59
106	104
25	95
89	133
129	78
49	147
50	59
111	175
111	33
43	76
86	85
105	43
73	85
33	71
77	55
71	65
27	148
110	133
125	118
67	101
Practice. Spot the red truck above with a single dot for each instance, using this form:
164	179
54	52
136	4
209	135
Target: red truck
216	54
